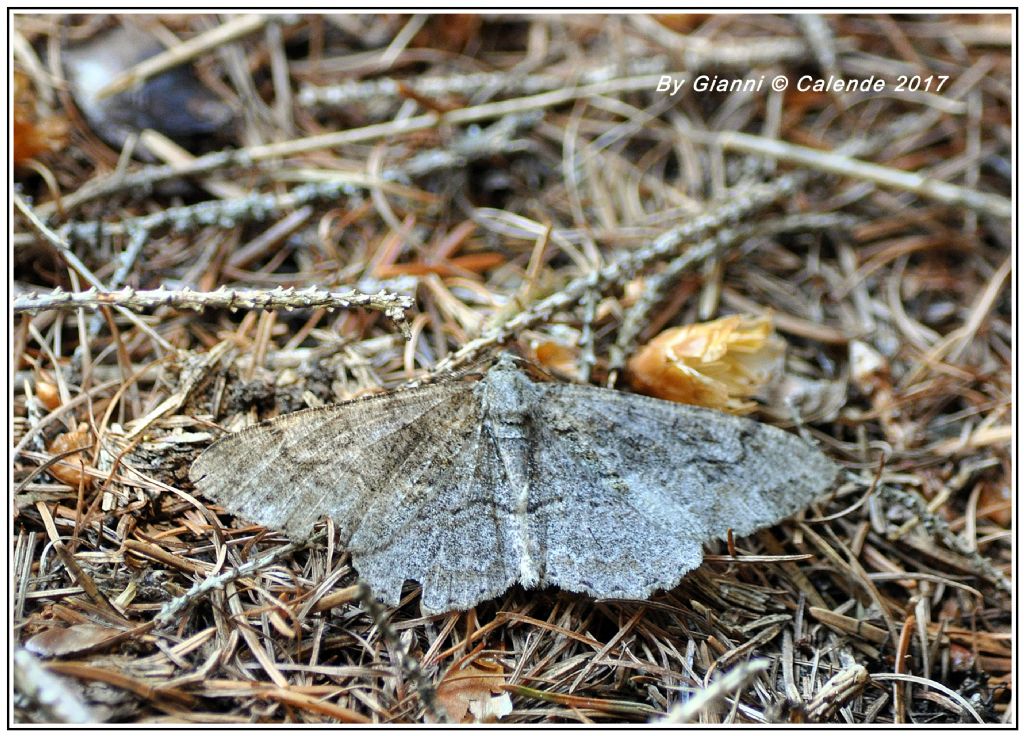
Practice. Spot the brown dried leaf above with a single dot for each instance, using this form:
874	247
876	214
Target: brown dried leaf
76	639
33	134
474	694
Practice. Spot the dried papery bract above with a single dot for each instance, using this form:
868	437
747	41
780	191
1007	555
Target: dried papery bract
471	487
717	364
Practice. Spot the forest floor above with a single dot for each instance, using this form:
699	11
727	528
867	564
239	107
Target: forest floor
315	208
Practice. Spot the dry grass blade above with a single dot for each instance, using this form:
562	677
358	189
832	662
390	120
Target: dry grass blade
690	710
594	704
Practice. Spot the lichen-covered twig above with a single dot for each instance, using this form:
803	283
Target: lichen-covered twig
473	145
822	42
939	528
136	242
741	203
393	305
57	242
835	163
259	206
699	51
352	92
170	610
656	286
145	179
588	356
402	126
408	664
226	213
61	246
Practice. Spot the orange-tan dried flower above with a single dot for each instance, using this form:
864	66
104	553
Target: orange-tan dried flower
717	364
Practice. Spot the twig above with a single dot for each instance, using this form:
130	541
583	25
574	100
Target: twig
222	213
348	93
170	610
425	689
391	129
819	37
145	179
137	240
57	703
715	247
834	163
699	51
259	206
939	528
588	357
461	116
735	679
393	305
72	260
469	147
741	203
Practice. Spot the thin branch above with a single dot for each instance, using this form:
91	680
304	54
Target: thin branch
408	664
390	129
741	203
75	263
737	678
353	92
259	206
393	305
939	528
172	608
656	287
835	163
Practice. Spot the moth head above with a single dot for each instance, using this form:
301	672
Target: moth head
508	361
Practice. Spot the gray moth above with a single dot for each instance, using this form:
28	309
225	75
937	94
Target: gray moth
470	487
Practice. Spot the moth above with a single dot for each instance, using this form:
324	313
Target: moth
469	487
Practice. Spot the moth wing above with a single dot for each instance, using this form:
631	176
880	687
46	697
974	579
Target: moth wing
634	486
340	461
462	547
